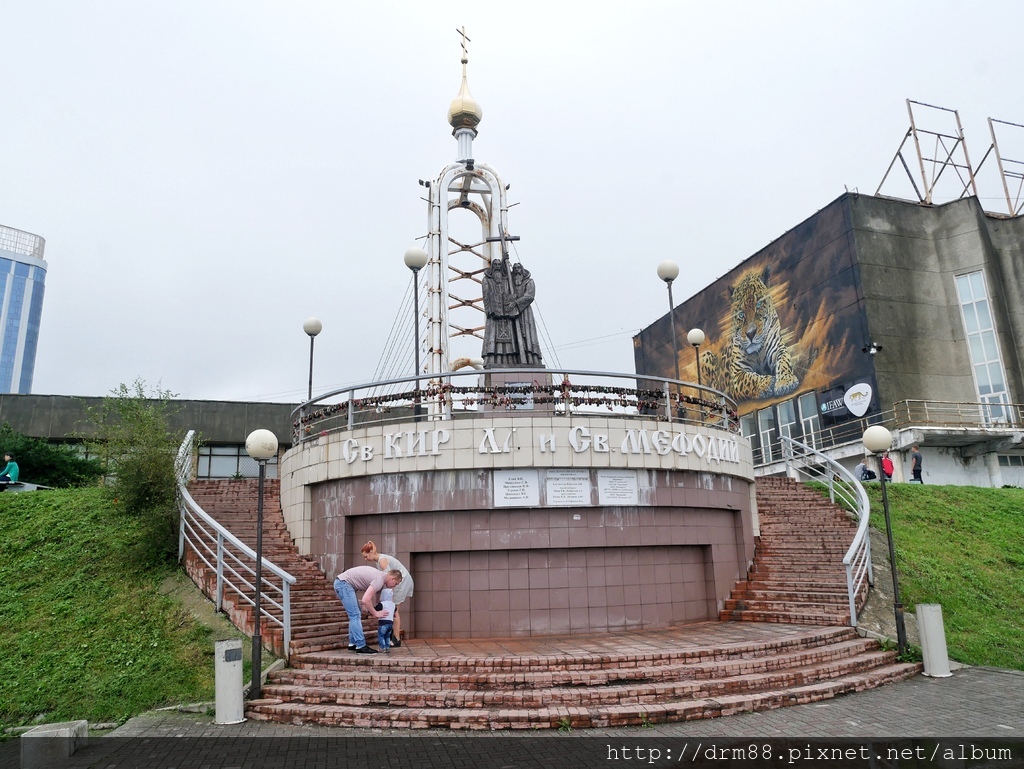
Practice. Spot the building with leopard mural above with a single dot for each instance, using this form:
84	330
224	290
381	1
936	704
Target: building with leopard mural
873	310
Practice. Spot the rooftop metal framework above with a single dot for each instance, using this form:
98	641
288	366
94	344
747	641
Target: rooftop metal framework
940	156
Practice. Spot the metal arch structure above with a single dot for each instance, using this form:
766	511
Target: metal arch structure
452	278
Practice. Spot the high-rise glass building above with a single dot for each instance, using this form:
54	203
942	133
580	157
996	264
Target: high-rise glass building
22	283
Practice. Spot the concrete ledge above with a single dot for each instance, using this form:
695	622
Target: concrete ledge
43	746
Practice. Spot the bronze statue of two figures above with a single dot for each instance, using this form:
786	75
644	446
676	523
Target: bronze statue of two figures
510	332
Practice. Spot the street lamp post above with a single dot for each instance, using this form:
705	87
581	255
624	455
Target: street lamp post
669	271
696	338
261	445
878	439
416	259
312	326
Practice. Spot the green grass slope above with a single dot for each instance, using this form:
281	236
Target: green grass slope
962	547
84	631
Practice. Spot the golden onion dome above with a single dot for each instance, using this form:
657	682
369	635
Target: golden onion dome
464	111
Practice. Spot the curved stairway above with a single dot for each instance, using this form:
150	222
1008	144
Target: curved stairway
797	575
790	647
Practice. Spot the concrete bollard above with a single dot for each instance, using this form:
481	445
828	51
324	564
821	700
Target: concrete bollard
933	640
47	745
230	705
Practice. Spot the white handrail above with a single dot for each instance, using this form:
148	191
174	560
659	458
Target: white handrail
804	462
201	531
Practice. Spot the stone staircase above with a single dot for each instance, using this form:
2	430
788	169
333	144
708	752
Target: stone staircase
805	653
318	621
797	575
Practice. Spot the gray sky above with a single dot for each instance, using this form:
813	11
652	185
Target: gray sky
209	174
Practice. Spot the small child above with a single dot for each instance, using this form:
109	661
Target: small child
385	624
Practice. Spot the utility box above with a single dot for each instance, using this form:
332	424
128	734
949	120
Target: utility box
933	640
228	683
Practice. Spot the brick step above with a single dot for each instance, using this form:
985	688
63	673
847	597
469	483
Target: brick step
826	596
820	616
385	692
332	629
821	560
394	673
783	544
629	714
793	585
771	605
802	568
318	612
318	645
811	638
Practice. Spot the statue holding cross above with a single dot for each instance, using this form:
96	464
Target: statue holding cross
510	331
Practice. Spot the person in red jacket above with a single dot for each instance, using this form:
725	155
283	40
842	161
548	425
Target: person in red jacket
887	466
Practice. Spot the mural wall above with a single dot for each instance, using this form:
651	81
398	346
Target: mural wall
788	321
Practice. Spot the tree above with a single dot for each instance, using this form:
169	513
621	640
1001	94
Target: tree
48	464
137	447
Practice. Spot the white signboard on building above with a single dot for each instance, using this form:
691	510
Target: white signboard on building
568	488
617	487
516	488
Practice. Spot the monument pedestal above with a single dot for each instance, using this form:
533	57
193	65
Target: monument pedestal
520	393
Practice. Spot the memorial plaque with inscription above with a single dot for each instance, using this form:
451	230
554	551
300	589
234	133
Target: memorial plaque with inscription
568	488
516	488
617	487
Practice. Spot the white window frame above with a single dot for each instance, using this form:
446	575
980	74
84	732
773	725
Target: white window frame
983	344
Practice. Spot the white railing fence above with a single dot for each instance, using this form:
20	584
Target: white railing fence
804	463
233	561
559	392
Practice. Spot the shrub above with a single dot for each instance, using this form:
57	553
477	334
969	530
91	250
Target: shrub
48	464
138	449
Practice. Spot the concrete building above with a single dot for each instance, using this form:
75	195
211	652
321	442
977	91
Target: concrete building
22	284
222	425
873	310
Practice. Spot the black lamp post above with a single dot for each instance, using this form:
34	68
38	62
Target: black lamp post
312	326
261	445
878	439
416	259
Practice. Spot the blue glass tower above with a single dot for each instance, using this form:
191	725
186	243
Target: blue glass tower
22	283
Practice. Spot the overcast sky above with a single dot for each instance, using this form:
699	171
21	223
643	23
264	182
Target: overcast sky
208	174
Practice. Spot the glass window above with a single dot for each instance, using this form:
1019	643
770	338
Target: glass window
787	418
991	351
810	422
983	346
231	462
766	430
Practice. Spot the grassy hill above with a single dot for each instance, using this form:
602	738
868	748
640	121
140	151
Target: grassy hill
86	633
962	547
84	630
